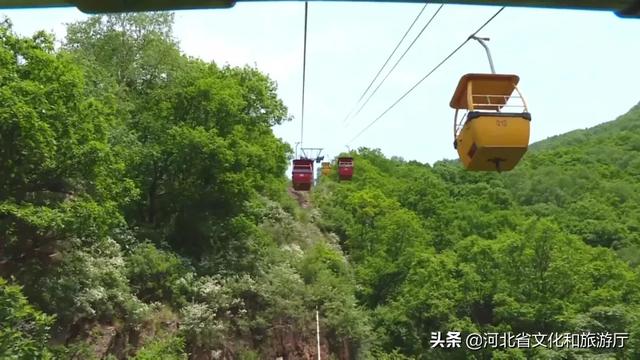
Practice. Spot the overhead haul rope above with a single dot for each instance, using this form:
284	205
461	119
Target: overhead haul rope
386	62
304	69
429	74
399	59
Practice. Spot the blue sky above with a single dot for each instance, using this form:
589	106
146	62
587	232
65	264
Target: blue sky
577	68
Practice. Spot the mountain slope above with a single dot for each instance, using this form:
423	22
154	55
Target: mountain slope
552	246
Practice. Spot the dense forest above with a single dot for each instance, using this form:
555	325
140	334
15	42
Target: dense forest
145	214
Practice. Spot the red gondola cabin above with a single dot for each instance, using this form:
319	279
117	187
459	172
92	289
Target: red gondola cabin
302	175
345	168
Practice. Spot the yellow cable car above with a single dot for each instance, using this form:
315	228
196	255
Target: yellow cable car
326	168
485	137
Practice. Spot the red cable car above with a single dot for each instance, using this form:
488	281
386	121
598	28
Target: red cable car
302	175
345	168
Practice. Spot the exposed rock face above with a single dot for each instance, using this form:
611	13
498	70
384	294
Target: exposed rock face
302	197
288	345
105	340
284	343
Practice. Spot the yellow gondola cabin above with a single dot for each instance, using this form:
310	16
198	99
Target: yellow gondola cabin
486	138
326	168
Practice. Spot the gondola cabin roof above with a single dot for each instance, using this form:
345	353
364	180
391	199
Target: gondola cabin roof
499	86
303	162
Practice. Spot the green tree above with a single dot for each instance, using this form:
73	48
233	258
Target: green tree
24	331
199	139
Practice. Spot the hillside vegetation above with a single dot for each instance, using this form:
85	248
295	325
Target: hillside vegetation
143	206
552	246
144	214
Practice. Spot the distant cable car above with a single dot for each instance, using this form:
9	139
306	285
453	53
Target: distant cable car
302	174
326	168
345	168
485	137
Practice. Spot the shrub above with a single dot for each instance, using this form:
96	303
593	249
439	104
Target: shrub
170	348
155	275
